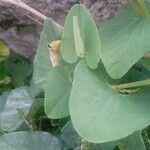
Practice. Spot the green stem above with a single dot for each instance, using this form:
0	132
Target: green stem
131	85
140	8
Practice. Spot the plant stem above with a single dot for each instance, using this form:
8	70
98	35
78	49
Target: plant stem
82	144
131	85
25	9
140	8
23	117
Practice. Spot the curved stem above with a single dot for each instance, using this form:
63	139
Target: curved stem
140	8
131	85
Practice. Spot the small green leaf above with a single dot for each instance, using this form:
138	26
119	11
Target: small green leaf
80	37
18	68
4	51
70	136
125	39
29	141
57	91
42	63
146	63
99	113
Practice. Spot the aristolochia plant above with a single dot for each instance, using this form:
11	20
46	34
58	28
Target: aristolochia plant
98	77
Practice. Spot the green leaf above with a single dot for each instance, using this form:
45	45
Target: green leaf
17	105
18	68
146	63
42	64
2	71
57	91
37	110
73	140
132	142
1	133
3	99
140	8
70	136
80	37
4	51
125	39
101	114
29	141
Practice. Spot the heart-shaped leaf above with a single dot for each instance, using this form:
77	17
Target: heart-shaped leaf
42	63
80	37
125	39
57	91
29	141
101	114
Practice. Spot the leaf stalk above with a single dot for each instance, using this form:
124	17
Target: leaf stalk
131	85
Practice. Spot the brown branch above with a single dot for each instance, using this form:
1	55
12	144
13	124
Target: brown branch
34	14
25	9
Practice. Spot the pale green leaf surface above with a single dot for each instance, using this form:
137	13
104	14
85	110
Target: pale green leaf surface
73	140
125	39
29	141
57	91
16	104
42	63
79	25
132	142
100	114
